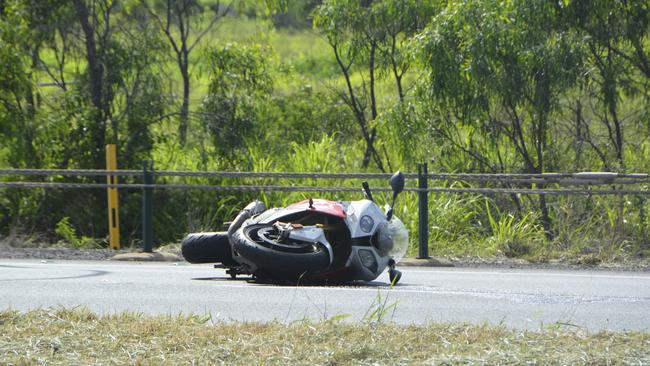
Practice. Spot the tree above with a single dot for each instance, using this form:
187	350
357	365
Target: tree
15	83
239	82
180	21
616	34
395	23
95	20
28	27
620	25
367	38
506	64
115	98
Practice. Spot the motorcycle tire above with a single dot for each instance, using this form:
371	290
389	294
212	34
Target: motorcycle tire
207	248
270	260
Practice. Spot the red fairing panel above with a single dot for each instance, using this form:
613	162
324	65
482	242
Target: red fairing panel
320	205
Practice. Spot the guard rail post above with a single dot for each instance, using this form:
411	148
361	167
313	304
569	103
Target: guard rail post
147	206
423	212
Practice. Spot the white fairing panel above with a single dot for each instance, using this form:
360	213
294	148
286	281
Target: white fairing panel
356	210
312	234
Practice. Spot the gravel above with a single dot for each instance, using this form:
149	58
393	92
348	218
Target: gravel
25	250
62	253
58	253
636	265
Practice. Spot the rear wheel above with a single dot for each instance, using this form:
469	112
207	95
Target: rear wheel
207	248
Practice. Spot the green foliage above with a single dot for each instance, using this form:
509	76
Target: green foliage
511	236
455	225
369	39
489	69
239	81
403	127
290	14
69	235
302	116
13	33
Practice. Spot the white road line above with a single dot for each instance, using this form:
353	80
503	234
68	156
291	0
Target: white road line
540	274
504	295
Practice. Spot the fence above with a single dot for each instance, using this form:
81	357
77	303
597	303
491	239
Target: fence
523	184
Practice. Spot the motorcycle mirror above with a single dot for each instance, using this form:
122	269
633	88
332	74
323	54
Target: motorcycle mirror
397	183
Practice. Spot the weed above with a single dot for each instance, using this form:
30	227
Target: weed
69	235
510	236
379	309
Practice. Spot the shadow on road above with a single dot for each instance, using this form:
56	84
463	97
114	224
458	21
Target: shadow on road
285	283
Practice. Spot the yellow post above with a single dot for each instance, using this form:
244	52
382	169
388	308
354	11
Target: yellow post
113	205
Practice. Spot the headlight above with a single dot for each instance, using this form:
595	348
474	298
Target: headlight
366	223
368	259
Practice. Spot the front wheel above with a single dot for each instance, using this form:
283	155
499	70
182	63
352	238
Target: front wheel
271	252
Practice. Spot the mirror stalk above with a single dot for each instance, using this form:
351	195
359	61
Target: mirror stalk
397	184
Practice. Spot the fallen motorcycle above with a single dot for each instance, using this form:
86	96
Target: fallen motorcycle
315	240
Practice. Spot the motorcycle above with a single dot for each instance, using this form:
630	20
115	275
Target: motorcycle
314	240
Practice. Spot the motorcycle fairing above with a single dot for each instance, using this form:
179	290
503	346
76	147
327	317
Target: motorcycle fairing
356	210
320	205
361	271
329	208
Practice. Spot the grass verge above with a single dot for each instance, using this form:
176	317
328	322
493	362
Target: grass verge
78	336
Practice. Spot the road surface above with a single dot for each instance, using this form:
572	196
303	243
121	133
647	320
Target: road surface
522	299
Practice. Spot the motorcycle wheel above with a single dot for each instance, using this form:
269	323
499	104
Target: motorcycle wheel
207	248
271	253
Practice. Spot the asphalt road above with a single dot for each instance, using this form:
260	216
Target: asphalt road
523	299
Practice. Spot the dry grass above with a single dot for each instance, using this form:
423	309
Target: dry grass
77	336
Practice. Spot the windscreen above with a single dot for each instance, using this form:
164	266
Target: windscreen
400	238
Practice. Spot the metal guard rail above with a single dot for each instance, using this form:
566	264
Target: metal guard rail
240	188
580	178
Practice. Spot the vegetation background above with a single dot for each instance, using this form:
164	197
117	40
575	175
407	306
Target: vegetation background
476	86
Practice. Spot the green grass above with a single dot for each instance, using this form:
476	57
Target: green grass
77	336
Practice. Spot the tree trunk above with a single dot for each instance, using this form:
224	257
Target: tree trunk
396	74
95	76
359	113
540	146
31	157
546	218
618	134
578	137
371	72
185	106
371	152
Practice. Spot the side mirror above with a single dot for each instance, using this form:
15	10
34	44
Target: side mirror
397	184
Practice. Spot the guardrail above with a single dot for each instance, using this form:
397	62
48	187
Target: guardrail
523	184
